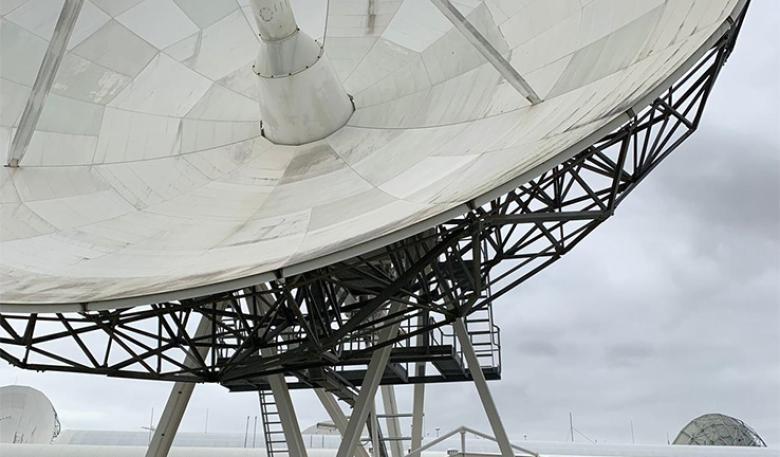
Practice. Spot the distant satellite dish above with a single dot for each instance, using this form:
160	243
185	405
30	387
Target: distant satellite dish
26	416
149	176
718	430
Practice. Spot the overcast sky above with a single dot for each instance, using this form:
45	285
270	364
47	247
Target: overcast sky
668	311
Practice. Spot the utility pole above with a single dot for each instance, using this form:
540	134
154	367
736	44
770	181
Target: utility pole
206	428
254	433
246	431
632	433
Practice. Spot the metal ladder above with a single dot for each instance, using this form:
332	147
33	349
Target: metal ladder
485	337
273	434
390	441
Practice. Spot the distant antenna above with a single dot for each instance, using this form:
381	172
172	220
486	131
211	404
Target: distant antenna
151	425
571	426
572	430
206	427
632	432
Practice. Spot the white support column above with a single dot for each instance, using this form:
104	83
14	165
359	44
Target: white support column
484	393
368	389
418	413
338	417
43	82
375	452
177	401
393	424
418	399
170	420
301	98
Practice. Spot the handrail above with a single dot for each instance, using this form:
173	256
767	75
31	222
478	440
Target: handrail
463	430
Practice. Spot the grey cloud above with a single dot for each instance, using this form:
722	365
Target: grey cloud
534	348
628	354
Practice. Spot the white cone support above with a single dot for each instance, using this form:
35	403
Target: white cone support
393	424
338	417
482	388
365	400
177	401
301	98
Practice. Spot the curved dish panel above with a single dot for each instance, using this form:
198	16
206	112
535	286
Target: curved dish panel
147	173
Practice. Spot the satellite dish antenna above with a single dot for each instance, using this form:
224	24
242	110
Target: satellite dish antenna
27	416
201	192
161	150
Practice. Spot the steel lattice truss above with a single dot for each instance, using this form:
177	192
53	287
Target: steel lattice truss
314	324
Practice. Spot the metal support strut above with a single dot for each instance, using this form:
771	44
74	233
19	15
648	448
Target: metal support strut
43	82
365	400
178	399
483	46
484	393
280	411
338	417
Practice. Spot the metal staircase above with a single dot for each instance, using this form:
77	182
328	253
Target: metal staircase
273	434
